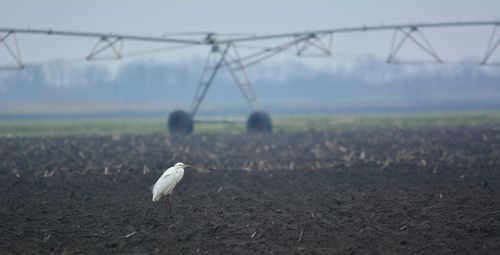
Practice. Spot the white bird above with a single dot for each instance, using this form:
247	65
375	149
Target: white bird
167	182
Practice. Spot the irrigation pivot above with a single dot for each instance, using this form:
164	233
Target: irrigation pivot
224	54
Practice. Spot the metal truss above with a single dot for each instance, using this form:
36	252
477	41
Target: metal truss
420	41
363	29
105	43
268	52
314	46
213	63
13	51
308	43
224	52
492	47
240	75
229	58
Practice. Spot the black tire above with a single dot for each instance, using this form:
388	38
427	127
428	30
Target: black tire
180	122
259	122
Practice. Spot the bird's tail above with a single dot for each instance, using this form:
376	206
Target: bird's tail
156	197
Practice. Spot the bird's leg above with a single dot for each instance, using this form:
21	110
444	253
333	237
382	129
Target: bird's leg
170	203
167	206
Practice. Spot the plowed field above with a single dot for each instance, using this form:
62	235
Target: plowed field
399	191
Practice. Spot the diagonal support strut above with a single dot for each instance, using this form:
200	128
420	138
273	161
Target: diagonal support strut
15	53
240	76
259	56
491	47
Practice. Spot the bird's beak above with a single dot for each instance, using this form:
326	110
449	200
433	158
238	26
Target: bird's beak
186	165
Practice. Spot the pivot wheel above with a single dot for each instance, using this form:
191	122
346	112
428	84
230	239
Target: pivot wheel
180	122
259	122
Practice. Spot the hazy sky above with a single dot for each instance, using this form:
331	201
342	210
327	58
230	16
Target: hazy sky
356	51
256	16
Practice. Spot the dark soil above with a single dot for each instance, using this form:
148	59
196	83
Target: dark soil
366	191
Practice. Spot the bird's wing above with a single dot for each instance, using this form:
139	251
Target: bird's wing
165	182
